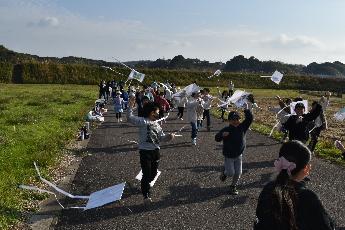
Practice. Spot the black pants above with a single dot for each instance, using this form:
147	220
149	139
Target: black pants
314	135
207	115
149	160
180	112
118	115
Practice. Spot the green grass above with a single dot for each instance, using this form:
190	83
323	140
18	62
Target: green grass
36	121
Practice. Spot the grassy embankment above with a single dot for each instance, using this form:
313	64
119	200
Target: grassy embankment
36	121
265	120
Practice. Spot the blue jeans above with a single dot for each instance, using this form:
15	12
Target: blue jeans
194	129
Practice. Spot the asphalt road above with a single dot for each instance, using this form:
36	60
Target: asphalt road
188	194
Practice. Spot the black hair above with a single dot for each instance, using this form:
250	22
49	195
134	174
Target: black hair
284	197
298	99
288	101
206	90
299	105
250	98
149	107
225	93
145	98
314	103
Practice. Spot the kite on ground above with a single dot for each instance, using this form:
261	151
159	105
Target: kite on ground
96	199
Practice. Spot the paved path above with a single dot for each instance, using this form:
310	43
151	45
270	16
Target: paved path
188	194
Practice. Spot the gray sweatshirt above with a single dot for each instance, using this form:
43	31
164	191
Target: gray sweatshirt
150	132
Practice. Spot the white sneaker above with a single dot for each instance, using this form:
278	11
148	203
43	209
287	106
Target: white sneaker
181	119
120	119
194	141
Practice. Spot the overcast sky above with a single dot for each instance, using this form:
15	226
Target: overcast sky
294	31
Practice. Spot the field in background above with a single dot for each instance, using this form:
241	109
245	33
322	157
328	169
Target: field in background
265	120
36	121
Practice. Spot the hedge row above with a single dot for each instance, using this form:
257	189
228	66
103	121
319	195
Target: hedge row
87	74
5	72
59	74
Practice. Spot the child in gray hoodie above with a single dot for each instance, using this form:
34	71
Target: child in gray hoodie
150	135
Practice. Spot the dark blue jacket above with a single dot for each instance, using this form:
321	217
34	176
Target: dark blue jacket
235	143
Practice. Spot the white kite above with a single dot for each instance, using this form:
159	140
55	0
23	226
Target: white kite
96	199
340	115
136	75
140	176
217	73
276	77
188	90
239	98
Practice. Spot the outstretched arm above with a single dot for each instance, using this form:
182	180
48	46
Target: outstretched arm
248	117
135	120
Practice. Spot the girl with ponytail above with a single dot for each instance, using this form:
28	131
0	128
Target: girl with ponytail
285	203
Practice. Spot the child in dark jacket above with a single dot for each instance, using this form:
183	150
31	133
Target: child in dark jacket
286	203
297	125
234	144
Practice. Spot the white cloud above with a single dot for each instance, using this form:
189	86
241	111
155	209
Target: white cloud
286	41
45	22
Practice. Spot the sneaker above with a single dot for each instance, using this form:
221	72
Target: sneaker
147	201
194	141
120	119
233	190
181	118
222	177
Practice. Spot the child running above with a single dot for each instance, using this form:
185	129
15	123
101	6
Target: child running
208	99
297	125
118	106
234	144
286	203
181	105
150	135
192	115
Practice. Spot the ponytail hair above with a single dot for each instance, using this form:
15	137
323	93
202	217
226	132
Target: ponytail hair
295	156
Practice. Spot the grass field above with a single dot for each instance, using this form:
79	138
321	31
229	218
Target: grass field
264	120
36	121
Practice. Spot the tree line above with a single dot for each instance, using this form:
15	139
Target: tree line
25	68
